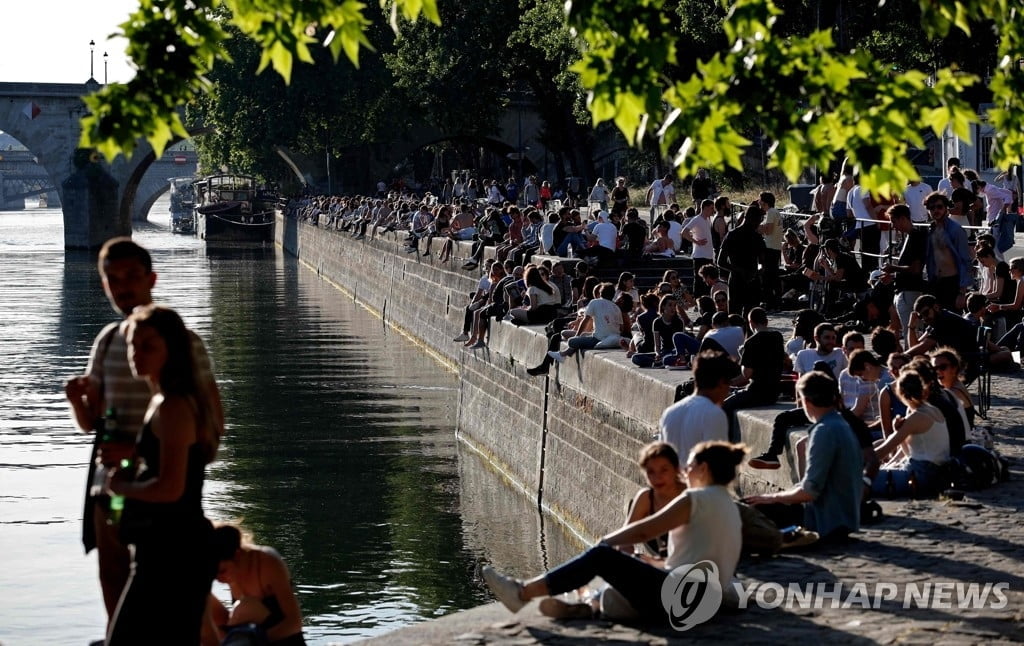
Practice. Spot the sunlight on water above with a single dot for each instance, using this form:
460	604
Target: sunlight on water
341	450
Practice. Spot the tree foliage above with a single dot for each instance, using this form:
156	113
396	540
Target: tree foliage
694	74
455	74
808	96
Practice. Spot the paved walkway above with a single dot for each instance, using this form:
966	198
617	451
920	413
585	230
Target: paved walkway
979	539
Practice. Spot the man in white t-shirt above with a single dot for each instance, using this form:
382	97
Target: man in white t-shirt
826	352
945	186
726	335
771	229
859	203
914	196
698	231
603	317
699	417
606	235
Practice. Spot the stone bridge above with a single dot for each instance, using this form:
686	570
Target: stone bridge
44	117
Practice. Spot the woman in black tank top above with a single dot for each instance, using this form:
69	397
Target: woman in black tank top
261	588
660	464
172	567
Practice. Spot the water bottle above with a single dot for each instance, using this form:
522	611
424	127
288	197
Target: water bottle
107	430
110	426
116	501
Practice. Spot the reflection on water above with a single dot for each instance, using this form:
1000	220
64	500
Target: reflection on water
341	450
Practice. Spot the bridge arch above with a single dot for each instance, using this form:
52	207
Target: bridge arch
142	188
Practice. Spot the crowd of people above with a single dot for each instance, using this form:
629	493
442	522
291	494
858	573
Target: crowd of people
149	396
901	304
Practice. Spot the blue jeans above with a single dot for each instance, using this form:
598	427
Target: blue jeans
582	342
916	479
577	241
684	344
1003	229
639	582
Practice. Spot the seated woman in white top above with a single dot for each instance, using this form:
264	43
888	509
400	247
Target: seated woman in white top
544	299
925	440
703	523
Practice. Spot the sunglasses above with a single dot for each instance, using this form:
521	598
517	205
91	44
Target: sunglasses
721	300
942	366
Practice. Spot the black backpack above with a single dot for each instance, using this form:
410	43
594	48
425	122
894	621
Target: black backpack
976	468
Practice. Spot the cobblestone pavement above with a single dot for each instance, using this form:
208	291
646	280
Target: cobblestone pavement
979	539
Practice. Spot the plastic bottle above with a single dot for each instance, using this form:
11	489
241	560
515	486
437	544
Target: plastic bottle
116	501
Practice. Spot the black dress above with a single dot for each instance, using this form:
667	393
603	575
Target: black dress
172	567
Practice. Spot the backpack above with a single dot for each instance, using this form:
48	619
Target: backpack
976	468
760	535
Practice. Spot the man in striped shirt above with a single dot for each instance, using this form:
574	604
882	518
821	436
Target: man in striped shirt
108	385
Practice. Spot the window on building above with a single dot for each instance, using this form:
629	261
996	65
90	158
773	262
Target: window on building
987	145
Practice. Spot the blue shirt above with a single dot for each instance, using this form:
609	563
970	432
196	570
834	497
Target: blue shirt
833	477
956	240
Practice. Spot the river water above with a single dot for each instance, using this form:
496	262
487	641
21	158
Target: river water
341	449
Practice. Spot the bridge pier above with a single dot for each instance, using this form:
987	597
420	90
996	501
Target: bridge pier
90	205
6	204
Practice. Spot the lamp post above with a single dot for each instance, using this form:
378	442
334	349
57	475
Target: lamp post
104	68
92	49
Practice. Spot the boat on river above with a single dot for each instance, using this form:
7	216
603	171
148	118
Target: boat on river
230	208
183	204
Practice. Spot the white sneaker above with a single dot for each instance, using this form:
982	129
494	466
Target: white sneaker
557	356
462	338
504	588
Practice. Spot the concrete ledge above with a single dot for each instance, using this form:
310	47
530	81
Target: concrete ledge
755	426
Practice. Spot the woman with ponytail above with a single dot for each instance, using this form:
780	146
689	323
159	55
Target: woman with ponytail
703	524
925	439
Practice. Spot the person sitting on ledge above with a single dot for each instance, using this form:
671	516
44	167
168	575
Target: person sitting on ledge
699	417
827	499
660	464
924	436
761	357
662	329
503	280
261	589
602	316
727	336
703	523
712	278
661	246
642	341
947	329
544	299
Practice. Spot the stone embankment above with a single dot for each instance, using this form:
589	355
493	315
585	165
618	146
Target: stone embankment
569	442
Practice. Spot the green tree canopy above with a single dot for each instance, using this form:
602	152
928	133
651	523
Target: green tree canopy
736	64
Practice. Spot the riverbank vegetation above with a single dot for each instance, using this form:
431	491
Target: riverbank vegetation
694	81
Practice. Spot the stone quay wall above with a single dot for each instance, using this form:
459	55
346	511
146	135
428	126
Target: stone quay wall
570	440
